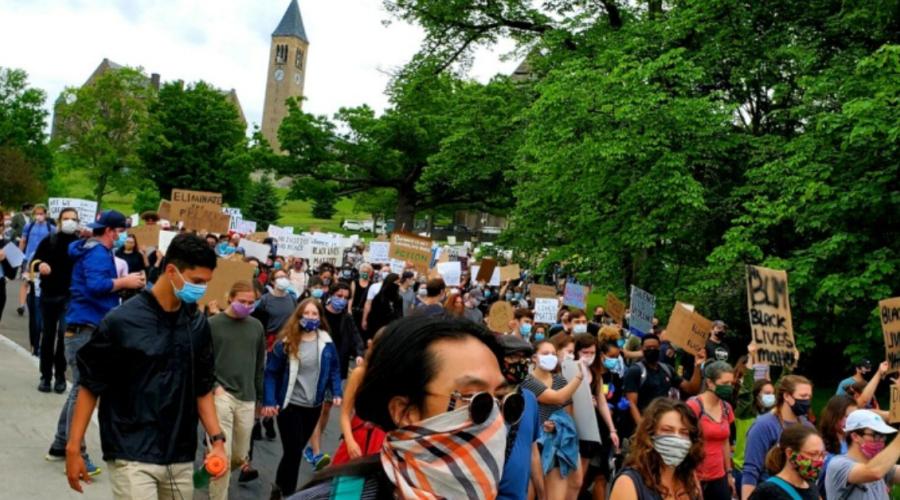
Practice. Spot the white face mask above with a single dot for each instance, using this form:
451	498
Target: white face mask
69	226
588	360
579	328
547	362
282	284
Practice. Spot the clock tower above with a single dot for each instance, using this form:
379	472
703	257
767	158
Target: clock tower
287	71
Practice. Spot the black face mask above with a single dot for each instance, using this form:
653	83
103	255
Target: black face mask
651	355
800	407
515	373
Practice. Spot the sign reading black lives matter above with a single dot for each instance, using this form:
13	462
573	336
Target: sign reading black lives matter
889	314
770	316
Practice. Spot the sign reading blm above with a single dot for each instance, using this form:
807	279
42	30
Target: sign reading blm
889	313
770	316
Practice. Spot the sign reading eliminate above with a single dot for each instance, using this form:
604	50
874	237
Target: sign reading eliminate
184	200
889	314
687	329
413	249
770	316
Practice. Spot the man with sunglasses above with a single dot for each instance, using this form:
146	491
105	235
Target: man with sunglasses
523	459
868	470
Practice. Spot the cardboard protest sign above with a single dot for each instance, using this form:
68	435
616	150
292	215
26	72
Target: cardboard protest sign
451	273
260	251
411	248
615	308
185	199
256	236
575	295
643	305
87	210
543	292
165	209
451	240
379	252
769	307
204	219
545	310
583	404
687	329
165	237
499	316
146	236
485	270
226	274
895	404
889	314
510	272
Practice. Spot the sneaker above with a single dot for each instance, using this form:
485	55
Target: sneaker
21	310
92	469
248	474
322	460
270	432
256	434
60	386
276	493
309	455
44	386
55	455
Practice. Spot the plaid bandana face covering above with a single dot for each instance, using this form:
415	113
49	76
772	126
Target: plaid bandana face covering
447	456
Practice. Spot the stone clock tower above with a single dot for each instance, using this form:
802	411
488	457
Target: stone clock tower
287	71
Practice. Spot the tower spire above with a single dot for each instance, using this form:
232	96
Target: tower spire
291	23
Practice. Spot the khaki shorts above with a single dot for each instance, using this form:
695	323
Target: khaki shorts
143	481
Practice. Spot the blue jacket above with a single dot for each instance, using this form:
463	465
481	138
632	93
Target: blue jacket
281	373
92	283
562	444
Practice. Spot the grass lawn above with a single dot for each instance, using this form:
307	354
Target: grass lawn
295	213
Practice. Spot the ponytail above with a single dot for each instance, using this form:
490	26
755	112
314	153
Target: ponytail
776	458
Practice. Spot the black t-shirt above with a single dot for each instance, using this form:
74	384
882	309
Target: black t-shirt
656	384
717	351
768	490
134	260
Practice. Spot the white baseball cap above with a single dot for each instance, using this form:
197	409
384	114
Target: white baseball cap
867	419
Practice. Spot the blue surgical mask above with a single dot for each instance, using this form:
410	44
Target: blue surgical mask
539	336
190	293
525	330
487	294
620	343
611	363
120	241
767	400
310	325
277	266
338	303
317	293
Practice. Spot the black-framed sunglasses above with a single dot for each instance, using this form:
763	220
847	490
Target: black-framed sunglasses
480	405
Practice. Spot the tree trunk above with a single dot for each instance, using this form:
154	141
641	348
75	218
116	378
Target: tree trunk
405	214
102	180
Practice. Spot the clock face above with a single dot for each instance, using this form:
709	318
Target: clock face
297	78
279	74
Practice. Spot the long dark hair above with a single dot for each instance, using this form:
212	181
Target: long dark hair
832	415
644	458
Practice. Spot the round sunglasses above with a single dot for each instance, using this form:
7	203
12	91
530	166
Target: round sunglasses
481	404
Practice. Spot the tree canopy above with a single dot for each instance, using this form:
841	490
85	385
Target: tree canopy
24	154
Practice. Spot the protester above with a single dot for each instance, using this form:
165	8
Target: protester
275	307
407	292
664	455
523	323
239	351
435	291
796	461
579	321
831	427
715	417
793	395
120	367
472	313
755	398
6	271
93	293
864	392
55	269
132	255
150	218
359	291
716	348
299	275
860	369
869	469
649	379
387	305
428	379
453	305
34	232
360	438
302	367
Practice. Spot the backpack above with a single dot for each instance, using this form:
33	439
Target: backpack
670	373
726	408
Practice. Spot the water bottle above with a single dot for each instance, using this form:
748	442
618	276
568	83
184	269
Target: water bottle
212	467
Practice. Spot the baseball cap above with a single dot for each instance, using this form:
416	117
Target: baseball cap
867	419
719	323
109	218
865	364
513	344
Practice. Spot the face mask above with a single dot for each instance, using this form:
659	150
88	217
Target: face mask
620	343
588	360
509	297
120	240
611	364
317	293
569	356
539	336
414	456
579	328
487	294
384	274
326	281
309	325
808	468
190	293
872	448
255	272
724	391
282	284
40	218
767	400
364	276
69	226
338	303
515	373
240	310
651	355
277	266
525	329
800	407
547	362
673	449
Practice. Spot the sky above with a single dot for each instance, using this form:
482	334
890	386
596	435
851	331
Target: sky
223	42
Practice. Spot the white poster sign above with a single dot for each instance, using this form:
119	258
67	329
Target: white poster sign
253	249
642	306
165	238
545	311
582	403
292	246
87	210
451	272
378	252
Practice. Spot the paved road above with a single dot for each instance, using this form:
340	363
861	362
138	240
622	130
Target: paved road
28	421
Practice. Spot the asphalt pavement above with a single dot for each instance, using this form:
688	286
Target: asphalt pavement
28	423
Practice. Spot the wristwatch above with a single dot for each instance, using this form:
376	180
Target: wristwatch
217	437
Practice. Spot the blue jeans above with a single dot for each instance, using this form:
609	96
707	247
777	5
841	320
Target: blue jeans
73	343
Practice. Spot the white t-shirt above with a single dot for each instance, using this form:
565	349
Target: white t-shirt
373	290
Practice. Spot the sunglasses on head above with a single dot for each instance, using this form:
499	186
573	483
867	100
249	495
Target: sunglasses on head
481	404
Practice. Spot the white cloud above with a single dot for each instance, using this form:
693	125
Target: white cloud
226	43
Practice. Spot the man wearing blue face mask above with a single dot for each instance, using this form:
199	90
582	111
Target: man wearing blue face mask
150	364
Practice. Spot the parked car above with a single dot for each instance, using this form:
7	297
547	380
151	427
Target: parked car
355	225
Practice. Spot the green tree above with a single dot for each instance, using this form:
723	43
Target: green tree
23	144
146	197
264	203
100	126
193	135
